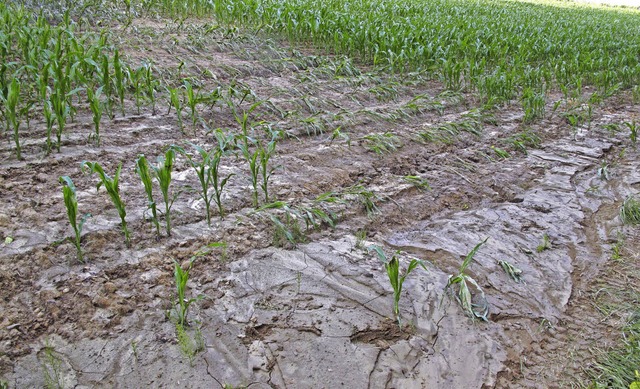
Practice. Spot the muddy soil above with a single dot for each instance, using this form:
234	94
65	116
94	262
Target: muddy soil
318	314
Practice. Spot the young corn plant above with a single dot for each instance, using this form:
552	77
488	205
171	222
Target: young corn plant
174	98
252	158
137	78
143	170
193	99
113	189
12	114
107	86
464	295
181	277
207	169
162	173
633	128
392	267
266	152
71	203
49	120
150	86
120	79
61	110
545	244
96	109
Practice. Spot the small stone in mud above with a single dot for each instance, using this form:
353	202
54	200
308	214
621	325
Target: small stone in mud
110	287
101	302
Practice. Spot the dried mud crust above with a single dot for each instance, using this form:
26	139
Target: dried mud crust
318	315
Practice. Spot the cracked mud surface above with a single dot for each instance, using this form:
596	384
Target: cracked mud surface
319	314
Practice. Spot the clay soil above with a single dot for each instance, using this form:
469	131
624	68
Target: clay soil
318	314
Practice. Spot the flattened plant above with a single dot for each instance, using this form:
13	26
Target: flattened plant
112	187
392	267
418	182
386	142
512	271
71	203
464	295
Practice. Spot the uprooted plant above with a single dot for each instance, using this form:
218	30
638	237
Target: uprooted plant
71	203
464	295
111	185
392	267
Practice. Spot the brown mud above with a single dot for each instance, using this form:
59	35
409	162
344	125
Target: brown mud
318	314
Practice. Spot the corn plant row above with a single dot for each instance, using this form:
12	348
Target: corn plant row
52	69
496	48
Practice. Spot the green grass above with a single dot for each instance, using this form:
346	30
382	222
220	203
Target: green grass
630	211
617	368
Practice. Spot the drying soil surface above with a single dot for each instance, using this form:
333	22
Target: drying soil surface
319	314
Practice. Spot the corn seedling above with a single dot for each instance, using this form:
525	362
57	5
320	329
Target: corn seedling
71	203
61	110
106	85
265	154
382	143
630	211
512	271
193	99
12	114
162	172
150	86
120	76
174	98
96	109
143	170
361	237
524	140
502	154
533	105
418	182
181	277
207	169
287	228
339	134
112	187
366	197
545	244
633	128
392	267
464	295
49	120
137	78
